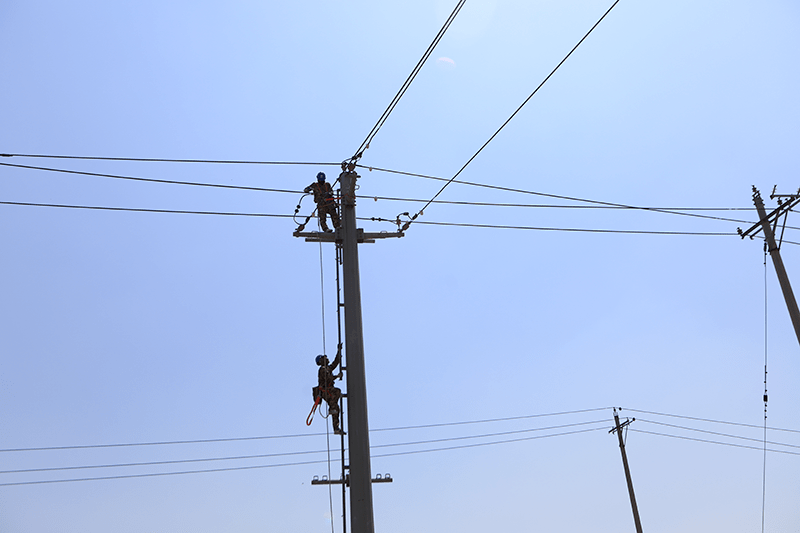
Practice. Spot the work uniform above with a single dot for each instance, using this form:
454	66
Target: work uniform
326	203
327	391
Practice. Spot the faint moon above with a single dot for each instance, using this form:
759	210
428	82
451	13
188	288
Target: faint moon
446	63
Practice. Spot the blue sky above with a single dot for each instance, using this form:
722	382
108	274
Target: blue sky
130	327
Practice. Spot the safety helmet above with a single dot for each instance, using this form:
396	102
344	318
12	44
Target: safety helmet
320	360
321	176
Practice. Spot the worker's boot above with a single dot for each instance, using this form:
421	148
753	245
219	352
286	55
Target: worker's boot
336	429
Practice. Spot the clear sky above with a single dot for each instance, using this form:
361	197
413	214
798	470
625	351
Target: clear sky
133	327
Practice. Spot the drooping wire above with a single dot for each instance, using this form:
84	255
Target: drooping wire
407	83
389	445
597	205
150	180
594	203
253	467
328	444
717	433
163	160
324	352
573	230
379	430
683	437
322	291
452	224
708	420
512	115
764	466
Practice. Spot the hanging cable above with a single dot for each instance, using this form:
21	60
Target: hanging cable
150	180
159	160
342	368
512	115
330	492
764	466
406	84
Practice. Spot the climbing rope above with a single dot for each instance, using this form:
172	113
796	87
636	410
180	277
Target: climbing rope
310	417
319	399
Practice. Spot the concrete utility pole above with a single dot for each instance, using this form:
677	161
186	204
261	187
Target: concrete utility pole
360	474
361	515
774	249
618	430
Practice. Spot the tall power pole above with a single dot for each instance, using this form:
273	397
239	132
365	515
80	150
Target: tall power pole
361	515
634	507
766	224
360	471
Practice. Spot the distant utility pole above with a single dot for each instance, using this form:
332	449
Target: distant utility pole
769	223
618	430
348	237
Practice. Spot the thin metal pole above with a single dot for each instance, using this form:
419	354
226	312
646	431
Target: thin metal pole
627	474
361	511
777	262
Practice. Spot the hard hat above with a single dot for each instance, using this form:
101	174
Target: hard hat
321	176
320	358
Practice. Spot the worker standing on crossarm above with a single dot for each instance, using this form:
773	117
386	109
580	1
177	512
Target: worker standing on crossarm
325	388
326	203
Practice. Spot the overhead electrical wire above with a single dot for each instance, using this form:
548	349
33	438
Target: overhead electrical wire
452	224
309	452
162	160
388	445
388	111
144	210
710	420
152	180
573	230
234	439
514	113
758	448
596	204
253	467
717	433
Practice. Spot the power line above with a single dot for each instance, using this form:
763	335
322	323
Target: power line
143	210
597	203
162	160
152	180
234	439
159	463
253	467
407	83
560	206
285	454
506	419
717	433
418	200
574	230
709	420
713	442
601	205
376	219
515	112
